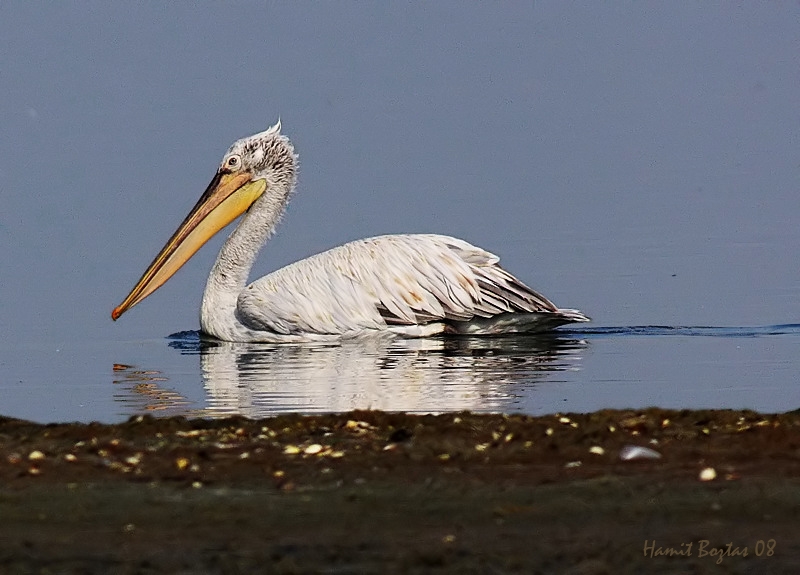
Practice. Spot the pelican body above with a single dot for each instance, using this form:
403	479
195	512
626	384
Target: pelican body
409	285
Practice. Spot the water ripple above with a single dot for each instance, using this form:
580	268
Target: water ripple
193	341
702	331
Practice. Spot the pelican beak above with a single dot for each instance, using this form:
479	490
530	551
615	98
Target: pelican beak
227	197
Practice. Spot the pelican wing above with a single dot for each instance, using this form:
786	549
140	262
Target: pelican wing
401	280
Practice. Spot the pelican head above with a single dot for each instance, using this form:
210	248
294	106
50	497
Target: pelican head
260	165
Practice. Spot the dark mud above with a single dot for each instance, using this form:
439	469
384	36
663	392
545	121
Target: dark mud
374	492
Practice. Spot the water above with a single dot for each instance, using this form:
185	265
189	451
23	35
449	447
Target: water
576	370
638	163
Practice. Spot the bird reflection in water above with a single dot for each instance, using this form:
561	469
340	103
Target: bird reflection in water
144	391
422	375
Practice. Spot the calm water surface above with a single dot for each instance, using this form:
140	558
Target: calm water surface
577	370
636	161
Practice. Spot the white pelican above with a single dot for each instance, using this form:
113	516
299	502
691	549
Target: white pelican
408	285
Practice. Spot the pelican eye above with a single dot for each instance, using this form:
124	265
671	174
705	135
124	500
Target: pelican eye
233	163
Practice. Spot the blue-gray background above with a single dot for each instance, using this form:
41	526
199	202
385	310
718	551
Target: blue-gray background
639	161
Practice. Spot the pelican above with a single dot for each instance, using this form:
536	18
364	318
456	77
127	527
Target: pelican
409	285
